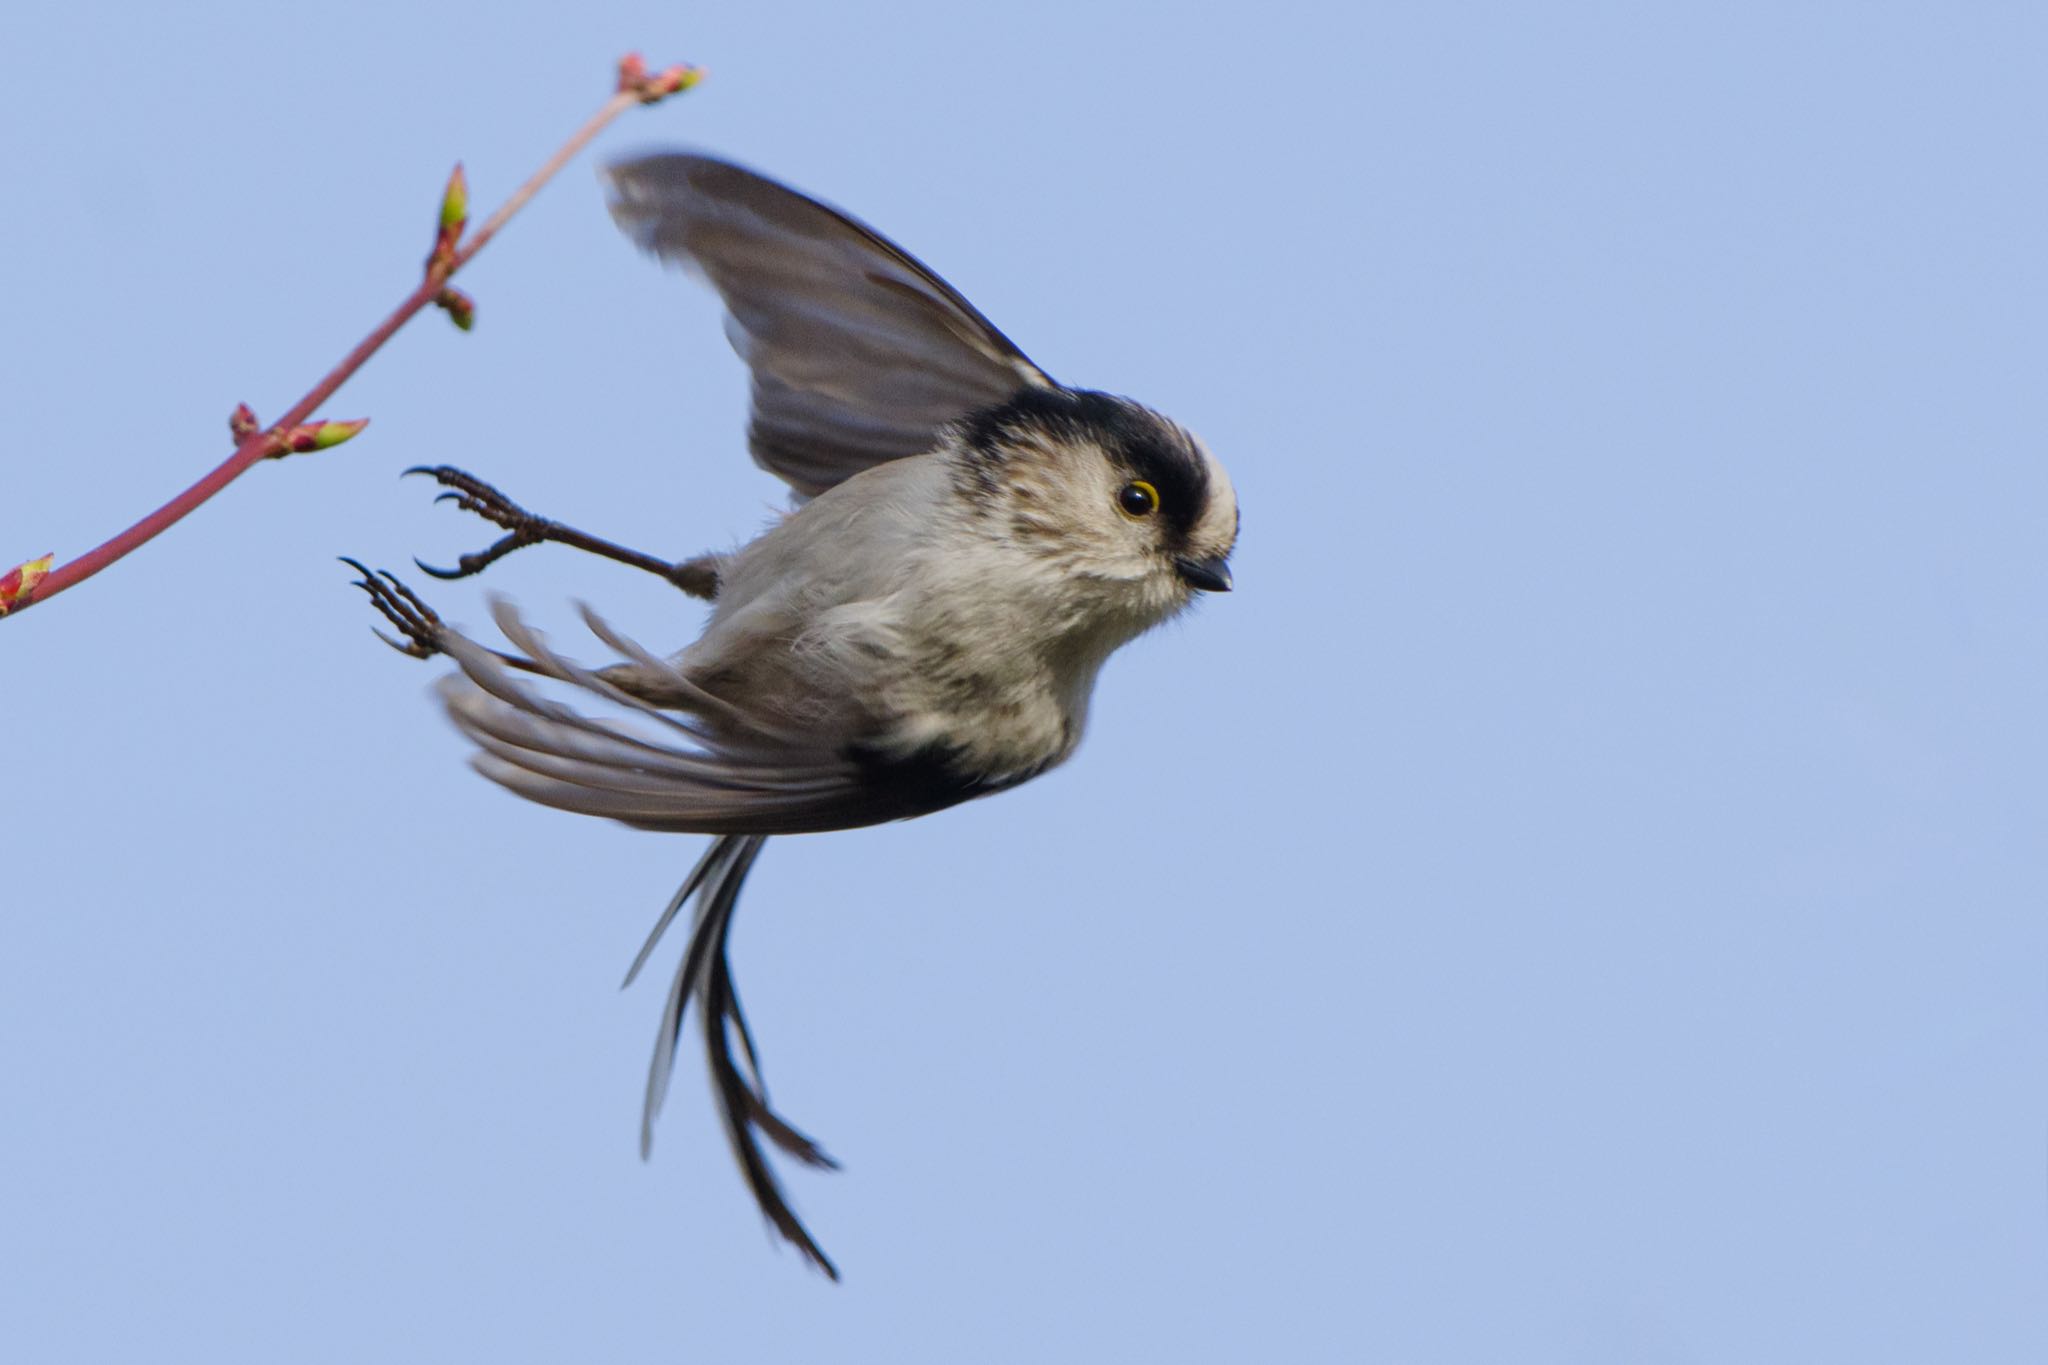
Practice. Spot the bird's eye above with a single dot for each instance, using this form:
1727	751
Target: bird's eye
1137	499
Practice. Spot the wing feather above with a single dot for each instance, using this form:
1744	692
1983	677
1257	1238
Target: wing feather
859	353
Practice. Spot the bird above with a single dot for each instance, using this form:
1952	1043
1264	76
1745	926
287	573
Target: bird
967	543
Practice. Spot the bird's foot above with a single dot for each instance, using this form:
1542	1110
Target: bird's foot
697	577
416	621
472	494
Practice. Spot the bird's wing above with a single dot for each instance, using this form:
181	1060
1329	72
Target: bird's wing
718	770
859	353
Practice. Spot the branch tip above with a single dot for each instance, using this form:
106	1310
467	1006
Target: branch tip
455	202
441	261
18	584
634	80
312	436
673	81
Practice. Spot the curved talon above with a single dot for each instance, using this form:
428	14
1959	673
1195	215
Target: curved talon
445	575
411	650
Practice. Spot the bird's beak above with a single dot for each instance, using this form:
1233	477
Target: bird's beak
1209	575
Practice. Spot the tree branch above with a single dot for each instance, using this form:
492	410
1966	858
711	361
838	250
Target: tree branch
35	581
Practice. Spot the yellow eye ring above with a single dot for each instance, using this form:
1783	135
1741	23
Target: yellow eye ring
1137	499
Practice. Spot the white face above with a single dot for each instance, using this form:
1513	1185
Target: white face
1152	511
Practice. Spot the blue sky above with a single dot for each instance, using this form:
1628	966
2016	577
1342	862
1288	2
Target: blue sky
1580	899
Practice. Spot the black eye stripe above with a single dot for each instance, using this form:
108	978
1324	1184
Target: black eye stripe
1139	444
1183	483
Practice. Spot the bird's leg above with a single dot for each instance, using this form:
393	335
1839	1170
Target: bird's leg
698	577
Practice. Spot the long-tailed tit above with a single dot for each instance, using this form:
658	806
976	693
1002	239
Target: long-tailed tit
971	541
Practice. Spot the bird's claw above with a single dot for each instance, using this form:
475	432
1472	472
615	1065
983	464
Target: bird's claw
476	496
464	567
416	621
471	494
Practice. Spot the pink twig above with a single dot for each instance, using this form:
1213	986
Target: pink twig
293	432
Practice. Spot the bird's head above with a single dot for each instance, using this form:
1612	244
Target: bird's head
1105	490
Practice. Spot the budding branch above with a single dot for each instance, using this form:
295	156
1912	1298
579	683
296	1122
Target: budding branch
35	581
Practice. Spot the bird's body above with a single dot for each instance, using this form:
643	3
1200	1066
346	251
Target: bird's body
917	637
971	542
866	645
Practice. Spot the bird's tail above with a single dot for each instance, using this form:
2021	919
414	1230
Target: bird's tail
706	974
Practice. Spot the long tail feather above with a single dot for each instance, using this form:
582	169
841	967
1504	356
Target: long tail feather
779	1130
716	897
706	974
675	903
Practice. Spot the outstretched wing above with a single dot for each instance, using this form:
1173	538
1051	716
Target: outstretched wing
859	353
713	770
